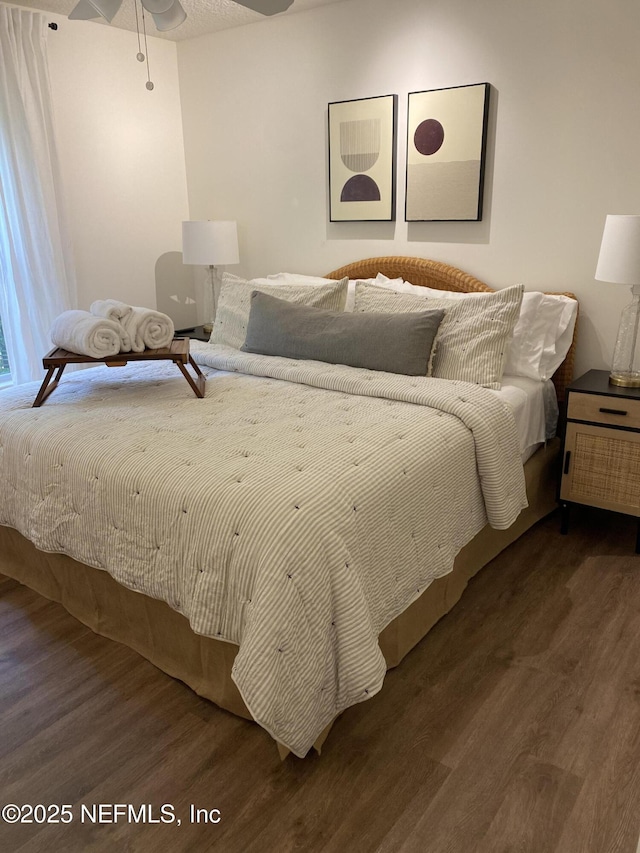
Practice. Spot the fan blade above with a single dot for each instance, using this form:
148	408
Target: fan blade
170	19
87	9
157	7
266	7
84	11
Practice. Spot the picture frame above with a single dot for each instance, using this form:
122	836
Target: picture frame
446	153
362	159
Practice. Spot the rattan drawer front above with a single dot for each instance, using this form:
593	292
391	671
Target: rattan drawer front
603	468
597	408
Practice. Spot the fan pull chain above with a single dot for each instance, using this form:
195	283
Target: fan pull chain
140	56
148	84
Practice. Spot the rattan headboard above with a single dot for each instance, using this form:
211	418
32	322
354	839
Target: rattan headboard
428	273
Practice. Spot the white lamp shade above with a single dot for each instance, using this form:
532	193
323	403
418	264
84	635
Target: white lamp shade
169	20
210	243
619	259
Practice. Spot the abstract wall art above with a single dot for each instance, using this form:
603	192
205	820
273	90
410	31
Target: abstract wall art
446	146
362	159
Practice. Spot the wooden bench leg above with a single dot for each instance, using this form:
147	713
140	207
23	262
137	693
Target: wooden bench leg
45	388
197	383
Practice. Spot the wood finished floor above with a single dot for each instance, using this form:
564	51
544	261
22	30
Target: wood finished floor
514	726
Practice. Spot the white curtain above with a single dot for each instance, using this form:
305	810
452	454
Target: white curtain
36	273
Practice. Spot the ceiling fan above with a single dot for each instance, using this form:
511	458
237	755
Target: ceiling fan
266	7
166	14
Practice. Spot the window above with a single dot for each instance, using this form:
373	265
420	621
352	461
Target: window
5	372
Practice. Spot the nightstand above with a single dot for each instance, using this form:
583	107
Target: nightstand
601	453
196	333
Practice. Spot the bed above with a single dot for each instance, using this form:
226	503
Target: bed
196	605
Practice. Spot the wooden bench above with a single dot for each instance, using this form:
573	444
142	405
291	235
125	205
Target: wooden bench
177	352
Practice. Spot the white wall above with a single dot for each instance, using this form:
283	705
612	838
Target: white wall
564	127
122	157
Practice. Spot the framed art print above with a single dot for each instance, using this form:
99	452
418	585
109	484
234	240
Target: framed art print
446	146
362	159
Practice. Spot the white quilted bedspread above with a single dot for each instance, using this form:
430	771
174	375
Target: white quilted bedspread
295	518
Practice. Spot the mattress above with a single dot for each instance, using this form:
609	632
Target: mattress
535	409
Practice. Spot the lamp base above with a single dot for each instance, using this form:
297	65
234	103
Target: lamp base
625	367
626	380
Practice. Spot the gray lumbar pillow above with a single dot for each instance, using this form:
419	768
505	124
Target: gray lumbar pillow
396	343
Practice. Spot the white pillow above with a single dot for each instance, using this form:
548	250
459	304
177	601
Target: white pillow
297	278
399	285
542	335
283	278
380	280
444	294
473	337
234	304
558	340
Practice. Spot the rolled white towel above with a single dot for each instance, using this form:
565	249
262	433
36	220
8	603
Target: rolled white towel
86	334
119	312
149	329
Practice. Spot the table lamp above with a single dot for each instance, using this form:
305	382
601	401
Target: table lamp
619	262
212	243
